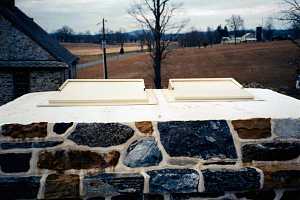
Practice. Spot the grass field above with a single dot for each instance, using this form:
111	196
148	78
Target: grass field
271	65
90	52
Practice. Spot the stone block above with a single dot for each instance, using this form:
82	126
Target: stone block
257	195
28	145
228	180
15	162
33	130
19	187
143	153
271	151
198	139
145	127
178	196
101	135
61	128
287	128
59	186
290	195
61	160
128	197
153	197
253	128
108	184
173	181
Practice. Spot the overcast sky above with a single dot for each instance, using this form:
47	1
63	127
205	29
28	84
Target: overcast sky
83	15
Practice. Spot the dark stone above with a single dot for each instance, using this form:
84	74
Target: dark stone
108	184
153	197
173	181
61	128
200	139
19	187
61	160
253	128
257	195
15	162
128	197
97	198
290	195
274	151
143	153
101	135
28	145
282	179
62	186
178	196
227	180
219	163
25	131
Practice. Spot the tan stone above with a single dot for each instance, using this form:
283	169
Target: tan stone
145	127
62	160
25	131
112	158
59	186
253	129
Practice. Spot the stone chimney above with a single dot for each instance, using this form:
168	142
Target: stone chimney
7	3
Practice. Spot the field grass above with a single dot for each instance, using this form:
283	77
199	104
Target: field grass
270	65
91	52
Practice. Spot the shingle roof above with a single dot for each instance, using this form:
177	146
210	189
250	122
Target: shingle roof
25	24
32	64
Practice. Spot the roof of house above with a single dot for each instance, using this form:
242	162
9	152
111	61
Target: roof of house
33	64
26	24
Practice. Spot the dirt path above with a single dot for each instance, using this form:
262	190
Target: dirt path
110	57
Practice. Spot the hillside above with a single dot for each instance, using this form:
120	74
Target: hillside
270	65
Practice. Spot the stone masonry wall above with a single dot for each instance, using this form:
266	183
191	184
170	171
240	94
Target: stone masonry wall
46	80
7	89
177	160
15	45
40	80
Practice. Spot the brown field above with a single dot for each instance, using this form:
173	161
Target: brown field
269	64
91	52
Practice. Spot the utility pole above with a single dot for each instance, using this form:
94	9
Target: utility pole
104	50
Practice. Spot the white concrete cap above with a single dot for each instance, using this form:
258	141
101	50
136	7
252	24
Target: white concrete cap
99	92
25	110
206	90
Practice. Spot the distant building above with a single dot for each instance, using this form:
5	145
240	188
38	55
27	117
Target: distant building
249	37
259	34
30	60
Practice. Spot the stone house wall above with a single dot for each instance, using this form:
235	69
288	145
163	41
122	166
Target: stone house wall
40	80
6	87
15	45
177	160
46	80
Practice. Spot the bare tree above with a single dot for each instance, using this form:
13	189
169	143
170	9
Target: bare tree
292	13
235	23
64	33
156	16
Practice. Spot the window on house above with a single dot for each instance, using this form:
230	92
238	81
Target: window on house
21	83
103	92
220	89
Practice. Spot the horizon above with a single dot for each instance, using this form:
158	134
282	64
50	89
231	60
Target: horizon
52	15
